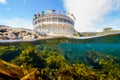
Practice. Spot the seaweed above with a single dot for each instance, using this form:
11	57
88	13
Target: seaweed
46	60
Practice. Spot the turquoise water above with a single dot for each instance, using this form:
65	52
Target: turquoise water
66	58
83	48
75	49
106	45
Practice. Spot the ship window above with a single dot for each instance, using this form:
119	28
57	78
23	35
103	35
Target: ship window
35	22
68	21
43	20
54	19
65	20
38	21
60	19
49	19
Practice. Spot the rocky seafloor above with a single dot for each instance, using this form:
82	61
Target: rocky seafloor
61	59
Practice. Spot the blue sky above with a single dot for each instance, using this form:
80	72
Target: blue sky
26	8
19	13
91	15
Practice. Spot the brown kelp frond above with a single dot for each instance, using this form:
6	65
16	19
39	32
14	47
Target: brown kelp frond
10	70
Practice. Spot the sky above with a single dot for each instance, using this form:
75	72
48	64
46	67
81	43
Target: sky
91	15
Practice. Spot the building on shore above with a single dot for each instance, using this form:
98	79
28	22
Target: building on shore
53	25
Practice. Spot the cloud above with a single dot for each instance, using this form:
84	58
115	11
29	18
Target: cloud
3	1
17	23
90	13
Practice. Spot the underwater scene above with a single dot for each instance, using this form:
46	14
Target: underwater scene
61	59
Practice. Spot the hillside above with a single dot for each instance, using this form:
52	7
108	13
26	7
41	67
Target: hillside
88	34
9	33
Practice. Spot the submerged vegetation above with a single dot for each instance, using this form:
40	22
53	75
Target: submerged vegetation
50	60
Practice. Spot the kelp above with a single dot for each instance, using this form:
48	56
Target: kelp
108	70
108	66
78	72
10	71
47	61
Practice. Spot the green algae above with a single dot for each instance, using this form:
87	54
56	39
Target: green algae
65	59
